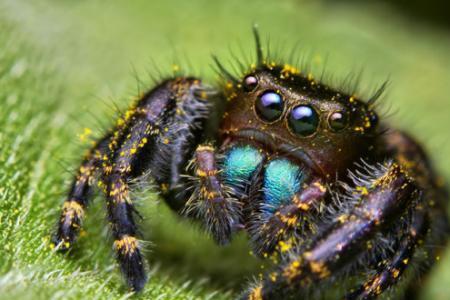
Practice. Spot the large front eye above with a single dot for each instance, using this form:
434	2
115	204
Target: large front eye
269	106
303	120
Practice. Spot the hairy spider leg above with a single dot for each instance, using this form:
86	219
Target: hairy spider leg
391	271
211	200
153	135
77	200
414	159
120	206
278	231
159	128
387	196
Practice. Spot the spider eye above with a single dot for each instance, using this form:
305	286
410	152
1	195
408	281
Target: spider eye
250	83
338	120
303	120
269	106
373	119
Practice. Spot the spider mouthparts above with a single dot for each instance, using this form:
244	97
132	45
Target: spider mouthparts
277	145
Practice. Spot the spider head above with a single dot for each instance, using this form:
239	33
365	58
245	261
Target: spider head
294	115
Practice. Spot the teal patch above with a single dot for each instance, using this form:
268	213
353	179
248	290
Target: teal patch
240	163
282	179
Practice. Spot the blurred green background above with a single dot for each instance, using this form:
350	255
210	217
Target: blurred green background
66	65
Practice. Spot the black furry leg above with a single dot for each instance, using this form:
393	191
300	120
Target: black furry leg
384	199
279	231
77	200
210	201
155	138
120	207
391	271
124	230
156	135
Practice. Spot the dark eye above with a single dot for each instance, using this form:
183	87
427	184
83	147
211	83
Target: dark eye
269	106
303	120
338	120
250	83
373	119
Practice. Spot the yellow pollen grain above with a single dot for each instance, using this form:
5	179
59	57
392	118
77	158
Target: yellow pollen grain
164	187
73	208
85	135
289	70
285	246
395	273
362	190
201	173
211	195
342	218
292	270
129	113
256	294
205	148
303	206
175	68
127	244
319	268
321	187
120	122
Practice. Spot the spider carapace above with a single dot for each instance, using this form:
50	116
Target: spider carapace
339	200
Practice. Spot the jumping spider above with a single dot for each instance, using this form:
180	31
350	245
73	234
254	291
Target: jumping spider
335	197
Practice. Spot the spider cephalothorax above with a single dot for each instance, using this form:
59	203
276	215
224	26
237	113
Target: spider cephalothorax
339	201
329	129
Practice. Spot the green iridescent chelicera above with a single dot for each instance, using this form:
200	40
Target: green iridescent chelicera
240	163
282	179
